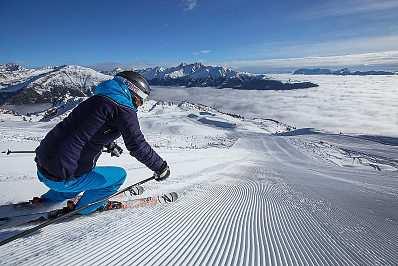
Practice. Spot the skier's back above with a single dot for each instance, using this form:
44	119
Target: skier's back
66	158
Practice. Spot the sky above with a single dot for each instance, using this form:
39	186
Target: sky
256	36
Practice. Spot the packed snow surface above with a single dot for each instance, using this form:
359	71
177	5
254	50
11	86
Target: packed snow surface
251	192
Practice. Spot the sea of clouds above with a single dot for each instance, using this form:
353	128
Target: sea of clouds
347	104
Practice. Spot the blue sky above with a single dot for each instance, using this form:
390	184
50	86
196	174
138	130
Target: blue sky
256	35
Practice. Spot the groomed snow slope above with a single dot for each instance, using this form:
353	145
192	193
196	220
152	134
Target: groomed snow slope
247	197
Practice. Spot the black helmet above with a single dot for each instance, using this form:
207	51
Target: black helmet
140	85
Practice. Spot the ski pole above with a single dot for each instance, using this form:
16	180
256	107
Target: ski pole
8	152
68	214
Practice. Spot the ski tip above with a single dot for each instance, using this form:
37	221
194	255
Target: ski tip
174	196
168	197
136	190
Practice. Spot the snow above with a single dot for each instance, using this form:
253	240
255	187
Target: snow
15	80
71	77
252	191
44	82
196	71
348	104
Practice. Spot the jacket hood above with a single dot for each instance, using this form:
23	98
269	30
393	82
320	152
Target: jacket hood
117	91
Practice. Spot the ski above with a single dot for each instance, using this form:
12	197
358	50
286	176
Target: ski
117	205
23	212
23	220
46	223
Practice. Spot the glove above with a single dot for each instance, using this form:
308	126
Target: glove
163	173
114	149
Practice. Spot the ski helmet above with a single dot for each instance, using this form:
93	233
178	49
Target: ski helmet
138	83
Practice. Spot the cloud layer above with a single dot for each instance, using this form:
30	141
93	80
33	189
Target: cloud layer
340	103
379	59
366	52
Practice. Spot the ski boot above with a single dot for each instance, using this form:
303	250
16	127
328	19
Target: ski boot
112	205
31	204
36	201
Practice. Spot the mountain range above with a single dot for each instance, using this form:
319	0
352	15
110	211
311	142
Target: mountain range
340	72
20	85
199	75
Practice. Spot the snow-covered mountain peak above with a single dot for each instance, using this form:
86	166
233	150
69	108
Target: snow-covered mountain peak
48	85
80	70
191	71
69	77
9	67
199	75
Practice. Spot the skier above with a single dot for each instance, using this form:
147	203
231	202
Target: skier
66	158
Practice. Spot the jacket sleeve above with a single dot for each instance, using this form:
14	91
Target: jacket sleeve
135	142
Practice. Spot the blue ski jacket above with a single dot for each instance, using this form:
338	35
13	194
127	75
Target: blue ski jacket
72	147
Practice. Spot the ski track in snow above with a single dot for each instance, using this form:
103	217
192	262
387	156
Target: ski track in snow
258	227
262	200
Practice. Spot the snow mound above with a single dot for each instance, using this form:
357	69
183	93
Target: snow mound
333	150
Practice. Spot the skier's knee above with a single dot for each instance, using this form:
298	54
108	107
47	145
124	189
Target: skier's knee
122	174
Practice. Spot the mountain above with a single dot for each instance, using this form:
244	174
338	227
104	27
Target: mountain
19	85
199	75
340	72
195	71
112	72
314	71
372	72
10	67
46	85
12	74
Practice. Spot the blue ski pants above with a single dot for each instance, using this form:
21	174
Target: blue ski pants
97	184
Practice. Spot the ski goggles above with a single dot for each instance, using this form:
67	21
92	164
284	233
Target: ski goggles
132	87
137	91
